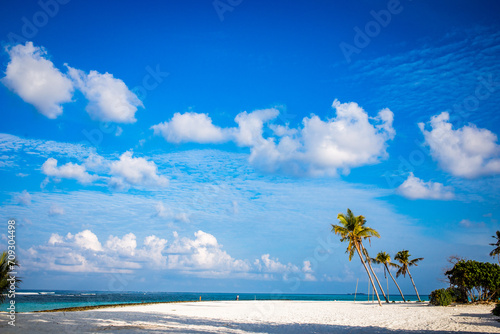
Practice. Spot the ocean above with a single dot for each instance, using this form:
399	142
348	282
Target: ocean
34	300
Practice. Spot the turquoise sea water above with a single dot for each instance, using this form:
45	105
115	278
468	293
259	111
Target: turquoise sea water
28	301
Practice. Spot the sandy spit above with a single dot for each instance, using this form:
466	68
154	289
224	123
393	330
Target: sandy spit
263	317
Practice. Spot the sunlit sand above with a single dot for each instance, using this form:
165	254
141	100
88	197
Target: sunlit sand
263	317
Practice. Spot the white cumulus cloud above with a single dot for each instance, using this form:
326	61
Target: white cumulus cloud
415	188
109	98
323	147
203	253
467	152
270	265
319	147
35	79
67	171
250	126
87	240
135	171
55	239
124	246
307	267
190	127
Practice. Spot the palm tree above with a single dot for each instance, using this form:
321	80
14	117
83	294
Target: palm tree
5	268
496	251
369	260
385	259
352	229
403	257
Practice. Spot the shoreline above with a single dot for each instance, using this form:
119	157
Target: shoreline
111	304
103	306
95	307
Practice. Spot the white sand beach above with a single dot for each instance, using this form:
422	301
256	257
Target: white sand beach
263	317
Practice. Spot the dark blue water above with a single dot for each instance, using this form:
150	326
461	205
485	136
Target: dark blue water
29	301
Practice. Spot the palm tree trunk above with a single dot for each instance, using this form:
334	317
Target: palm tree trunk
368	272
386	267
373	272
413	285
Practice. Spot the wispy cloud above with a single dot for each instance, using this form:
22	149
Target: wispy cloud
450	68
16	146
56	210
89	167
24	198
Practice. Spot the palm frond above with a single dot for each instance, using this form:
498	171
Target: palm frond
352	229
399	272
415	261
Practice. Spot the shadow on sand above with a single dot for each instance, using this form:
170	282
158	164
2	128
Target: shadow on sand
96	322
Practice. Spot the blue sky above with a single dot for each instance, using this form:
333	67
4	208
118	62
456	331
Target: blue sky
208	146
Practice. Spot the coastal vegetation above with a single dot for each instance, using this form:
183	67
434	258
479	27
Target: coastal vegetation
352	230
403	257
444	297
5	281
496	251
496	310
368	260
471	281
479	280
385	259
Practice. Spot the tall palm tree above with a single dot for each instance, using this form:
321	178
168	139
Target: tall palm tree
385	259
496	251
403	257
369	260
5	268
353	230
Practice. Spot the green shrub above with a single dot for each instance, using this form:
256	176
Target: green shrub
441	297
458	295
496	310
480	281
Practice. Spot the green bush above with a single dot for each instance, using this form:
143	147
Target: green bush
458	295
480	281
496	310
441	297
